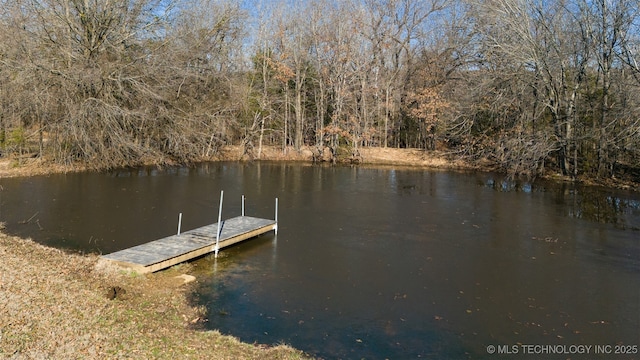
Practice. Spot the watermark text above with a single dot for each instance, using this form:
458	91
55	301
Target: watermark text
542	349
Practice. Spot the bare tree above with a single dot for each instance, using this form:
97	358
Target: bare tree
122	82
608	22
528	85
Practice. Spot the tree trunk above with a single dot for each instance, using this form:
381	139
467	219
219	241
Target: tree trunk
299	113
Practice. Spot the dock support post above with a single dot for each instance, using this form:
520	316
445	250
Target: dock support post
219	221
276	219
242	204
179	222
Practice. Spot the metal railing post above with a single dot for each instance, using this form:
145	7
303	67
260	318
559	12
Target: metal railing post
276	219
179	222
219	223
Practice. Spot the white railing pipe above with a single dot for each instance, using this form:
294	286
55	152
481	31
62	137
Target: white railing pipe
276	219
219	223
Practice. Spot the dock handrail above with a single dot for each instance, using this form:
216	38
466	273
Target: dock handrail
275	229
221	224
174	249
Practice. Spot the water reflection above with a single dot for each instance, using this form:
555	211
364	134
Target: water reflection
596	204
509	184
371	262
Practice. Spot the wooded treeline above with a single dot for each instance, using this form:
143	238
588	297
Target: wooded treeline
528	85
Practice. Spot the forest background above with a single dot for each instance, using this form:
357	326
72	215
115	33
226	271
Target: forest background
528	86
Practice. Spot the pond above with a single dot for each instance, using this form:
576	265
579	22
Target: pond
373	262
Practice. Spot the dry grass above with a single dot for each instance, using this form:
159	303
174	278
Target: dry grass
12	167
376	156
411	157
56	305
368	156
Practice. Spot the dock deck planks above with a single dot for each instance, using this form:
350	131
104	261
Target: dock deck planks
171	250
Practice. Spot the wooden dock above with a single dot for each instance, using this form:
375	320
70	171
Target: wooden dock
172	250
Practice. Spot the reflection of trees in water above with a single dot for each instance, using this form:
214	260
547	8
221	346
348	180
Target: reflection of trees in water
598	205
511	184
582	202
603	207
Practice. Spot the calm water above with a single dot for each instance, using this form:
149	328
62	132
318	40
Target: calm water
373	262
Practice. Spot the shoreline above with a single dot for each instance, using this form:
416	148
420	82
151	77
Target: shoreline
55	304
23	167
371	156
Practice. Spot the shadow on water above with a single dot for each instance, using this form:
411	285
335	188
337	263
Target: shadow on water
370	262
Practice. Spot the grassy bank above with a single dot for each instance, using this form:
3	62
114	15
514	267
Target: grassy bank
13	167
55	305
376	156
